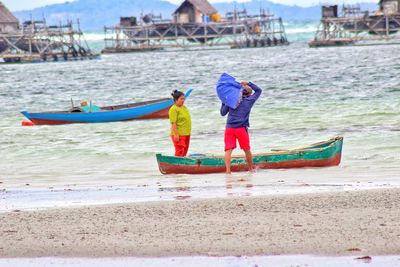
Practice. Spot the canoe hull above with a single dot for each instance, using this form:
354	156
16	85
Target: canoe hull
161	114
324	154
167	168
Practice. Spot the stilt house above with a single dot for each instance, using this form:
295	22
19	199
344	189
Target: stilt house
389	6
194	11
8	22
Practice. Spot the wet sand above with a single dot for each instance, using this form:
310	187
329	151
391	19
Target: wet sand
345	223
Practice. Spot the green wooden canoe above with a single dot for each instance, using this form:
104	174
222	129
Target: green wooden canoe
322	154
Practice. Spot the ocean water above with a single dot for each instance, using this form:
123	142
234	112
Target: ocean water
309	95
300	31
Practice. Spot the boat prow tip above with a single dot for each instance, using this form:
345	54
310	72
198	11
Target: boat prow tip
188	92
27	123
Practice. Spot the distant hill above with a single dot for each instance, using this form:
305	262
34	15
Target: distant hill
95	14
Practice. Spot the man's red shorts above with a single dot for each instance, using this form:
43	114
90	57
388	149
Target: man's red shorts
182	146
240	134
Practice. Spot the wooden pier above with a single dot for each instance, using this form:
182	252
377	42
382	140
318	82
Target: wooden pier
195	24
35	41
354	26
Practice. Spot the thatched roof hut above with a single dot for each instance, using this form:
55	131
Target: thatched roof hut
389	6
194	11
8	22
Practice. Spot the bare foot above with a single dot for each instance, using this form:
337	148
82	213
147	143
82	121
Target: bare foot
253	170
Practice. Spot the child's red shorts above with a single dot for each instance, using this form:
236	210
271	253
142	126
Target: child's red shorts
240	134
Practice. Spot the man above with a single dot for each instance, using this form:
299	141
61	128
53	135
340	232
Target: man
238	123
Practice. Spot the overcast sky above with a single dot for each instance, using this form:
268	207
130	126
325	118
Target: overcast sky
28	4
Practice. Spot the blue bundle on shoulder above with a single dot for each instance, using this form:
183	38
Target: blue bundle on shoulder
229	90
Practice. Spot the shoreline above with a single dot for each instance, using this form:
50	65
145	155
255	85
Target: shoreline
335	223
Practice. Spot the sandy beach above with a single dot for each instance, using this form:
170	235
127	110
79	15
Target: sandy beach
345	223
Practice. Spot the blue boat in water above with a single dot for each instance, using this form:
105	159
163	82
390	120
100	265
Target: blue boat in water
155	109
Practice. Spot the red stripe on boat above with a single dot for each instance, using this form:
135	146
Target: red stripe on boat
161	114
49	122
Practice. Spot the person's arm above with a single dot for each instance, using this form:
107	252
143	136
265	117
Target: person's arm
257	91
175	131
224	109
173	118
